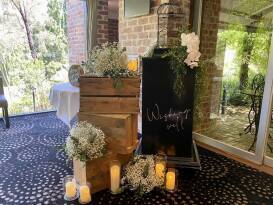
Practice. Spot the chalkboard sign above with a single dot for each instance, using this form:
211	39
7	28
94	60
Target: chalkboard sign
166	120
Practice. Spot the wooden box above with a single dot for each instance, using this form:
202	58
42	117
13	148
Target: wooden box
120	129
98	95
115	112
97	171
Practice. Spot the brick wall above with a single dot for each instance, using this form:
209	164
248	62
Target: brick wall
76	26
113	30
102	25
140	33
210	99
76	31
174	24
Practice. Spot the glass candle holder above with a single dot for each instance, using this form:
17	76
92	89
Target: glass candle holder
85	193
115	169
160	166
171	180
70	188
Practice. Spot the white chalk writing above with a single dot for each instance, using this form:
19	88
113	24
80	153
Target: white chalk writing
173	119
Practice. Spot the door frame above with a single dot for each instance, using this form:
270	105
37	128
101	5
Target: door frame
266	112
259	156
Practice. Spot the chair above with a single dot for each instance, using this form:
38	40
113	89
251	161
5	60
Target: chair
4	105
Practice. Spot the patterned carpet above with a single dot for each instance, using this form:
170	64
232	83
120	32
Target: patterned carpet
31	170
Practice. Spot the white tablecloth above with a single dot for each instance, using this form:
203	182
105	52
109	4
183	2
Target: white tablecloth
66	99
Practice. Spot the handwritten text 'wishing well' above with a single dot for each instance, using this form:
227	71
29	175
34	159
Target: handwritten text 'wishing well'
173	119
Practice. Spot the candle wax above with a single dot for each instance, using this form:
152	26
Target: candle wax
159	169
70	189
170	181
115	178
85	195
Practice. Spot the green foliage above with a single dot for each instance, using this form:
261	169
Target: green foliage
23	75
239	39
234	95
117	74
201	89
176	55
182	56
53	47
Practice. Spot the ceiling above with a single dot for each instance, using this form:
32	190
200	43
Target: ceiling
249	7
246	12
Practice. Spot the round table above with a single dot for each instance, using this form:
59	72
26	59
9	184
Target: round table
66	99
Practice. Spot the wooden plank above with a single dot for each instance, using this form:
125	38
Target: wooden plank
100	86
97	171
134	128
121	127
109	105
116	147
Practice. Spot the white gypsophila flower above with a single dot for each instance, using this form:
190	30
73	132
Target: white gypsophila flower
141	173
85	142
108	56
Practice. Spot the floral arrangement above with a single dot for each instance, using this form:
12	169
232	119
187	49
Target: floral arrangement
85	142
183	56
191	41
109	60
140	174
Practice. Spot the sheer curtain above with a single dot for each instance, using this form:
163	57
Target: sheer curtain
91	24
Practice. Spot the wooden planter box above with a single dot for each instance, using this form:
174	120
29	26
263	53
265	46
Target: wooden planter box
97	171
98	95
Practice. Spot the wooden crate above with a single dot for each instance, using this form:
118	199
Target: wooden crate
115	112
106	105
97	171
120	129
98	95
103	86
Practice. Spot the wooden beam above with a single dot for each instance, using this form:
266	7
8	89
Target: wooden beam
262	12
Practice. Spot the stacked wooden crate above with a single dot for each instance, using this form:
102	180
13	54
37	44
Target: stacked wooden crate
115	111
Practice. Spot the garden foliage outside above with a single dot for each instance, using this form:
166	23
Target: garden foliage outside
246	55
33	51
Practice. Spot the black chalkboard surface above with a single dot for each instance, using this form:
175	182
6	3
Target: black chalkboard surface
166	120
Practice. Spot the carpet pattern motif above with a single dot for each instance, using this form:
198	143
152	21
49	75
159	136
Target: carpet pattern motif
32	168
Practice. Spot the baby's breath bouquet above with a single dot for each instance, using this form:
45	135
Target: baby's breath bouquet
140	175
108	60
86	142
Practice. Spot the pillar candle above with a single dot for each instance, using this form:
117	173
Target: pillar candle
70	189
115	178
132	65
85	196
159	169
170	181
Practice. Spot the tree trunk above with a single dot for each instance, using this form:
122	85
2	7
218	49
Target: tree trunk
22	10
247	50
30	39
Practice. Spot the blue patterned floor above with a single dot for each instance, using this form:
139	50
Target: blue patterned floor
31	168
31	172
